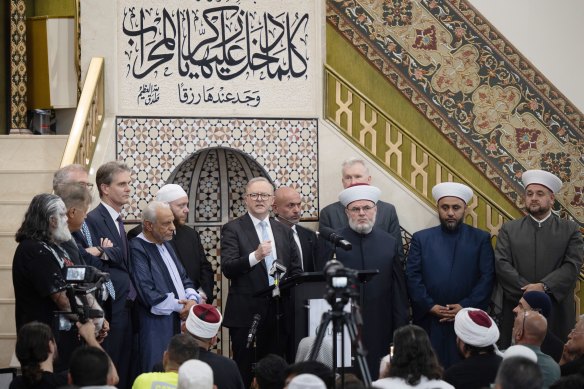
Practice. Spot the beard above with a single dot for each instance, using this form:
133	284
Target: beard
451	225
364	227
538	210
62	233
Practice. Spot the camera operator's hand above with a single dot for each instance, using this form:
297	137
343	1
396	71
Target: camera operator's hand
103	332
87	332
188	304
263	250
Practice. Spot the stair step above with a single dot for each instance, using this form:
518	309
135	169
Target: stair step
24	185
12	215
7	344
7	324
7	248
31	152
6	287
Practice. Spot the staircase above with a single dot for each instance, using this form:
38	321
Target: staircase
27	164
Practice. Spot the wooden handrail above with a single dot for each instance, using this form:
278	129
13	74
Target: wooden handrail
88	117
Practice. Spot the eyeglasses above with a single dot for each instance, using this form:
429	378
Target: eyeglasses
357	210
89	185
261	196
576	332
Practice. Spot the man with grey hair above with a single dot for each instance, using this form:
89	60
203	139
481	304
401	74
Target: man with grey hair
383	300
333	216
250	245
186	242
165	293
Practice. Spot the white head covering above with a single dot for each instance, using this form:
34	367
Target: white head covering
195	374
359	192
204	321
520	351
547	179
306	381
452	189
170	192
473	326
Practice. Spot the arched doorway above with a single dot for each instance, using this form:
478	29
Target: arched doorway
215	179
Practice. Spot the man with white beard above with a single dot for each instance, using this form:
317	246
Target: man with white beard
39	286
383	300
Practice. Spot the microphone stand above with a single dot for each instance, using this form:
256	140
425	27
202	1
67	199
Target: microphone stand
276	272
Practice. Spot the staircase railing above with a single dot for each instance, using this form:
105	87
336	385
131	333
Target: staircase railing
397	151
88	118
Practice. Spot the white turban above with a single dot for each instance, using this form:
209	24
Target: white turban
204	321
359	192
170	192
452	189
542	177
474	327
195	374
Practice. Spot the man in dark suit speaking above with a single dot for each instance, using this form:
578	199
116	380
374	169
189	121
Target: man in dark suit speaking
249	246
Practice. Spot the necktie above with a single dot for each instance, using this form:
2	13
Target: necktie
87	235
297	240
268	259
124	239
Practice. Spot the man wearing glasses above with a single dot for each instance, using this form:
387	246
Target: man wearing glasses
572	361
449	267
250	245
383	300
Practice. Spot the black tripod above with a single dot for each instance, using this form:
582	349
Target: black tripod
338	296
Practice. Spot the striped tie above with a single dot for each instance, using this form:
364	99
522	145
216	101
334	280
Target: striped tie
87	235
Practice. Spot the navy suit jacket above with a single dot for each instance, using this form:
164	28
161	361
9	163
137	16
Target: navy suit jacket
101	225
238	240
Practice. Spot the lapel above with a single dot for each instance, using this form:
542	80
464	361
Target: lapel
279	239
109	225
252	237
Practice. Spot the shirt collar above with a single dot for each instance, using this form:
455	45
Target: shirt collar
113	213
257	221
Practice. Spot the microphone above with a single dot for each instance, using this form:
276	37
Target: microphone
253	329
330	235
292	222
277	268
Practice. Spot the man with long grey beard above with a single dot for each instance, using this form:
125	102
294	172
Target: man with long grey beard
39	286
383	300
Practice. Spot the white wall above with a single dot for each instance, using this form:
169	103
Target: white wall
548	33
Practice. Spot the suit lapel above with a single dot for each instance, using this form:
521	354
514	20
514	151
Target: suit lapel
109	224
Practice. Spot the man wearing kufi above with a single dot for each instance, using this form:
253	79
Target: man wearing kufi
449	267
383	300
540	252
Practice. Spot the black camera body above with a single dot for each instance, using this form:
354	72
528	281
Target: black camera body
342	284
85	294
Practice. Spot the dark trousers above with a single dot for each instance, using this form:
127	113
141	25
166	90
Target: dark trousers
270	339
118	344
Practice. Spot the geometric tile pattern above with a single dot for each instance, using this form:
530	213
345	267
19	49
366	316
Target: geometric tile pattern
154	147
483	95
18	75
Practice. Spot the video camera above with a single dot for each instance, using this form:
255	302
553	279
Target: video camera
342	284
85	294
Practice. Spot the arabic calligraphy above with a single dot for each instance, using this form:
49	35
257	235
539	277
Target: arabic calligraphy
148	94
226	42
217	96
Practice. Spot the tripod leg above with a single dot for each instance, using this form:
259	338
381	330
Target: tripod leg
349	322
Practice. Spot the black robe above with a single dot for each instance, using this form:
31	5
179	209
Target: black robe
383	300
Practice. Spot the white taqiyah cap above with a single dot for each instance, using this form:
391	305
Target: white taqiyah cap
520	351
306	381
195	374
359	192
473	326
452	189
547	179
170	192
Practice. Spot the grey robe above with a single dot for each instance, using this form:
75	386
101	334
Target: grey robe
527	253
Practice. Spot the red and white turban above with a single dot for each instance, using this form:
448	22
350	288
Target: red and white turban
204	321
476	328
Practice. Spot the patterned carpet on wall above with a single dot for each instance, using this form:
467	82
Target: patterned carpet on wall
482	94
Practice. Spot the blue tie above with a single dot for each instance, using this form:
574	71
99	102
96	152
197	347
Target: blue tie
268	259
108	285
